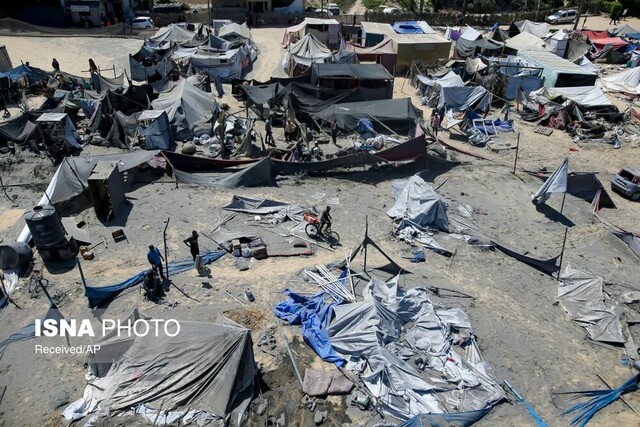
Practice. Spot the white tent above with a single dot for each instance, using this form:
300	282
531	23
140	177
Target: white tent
626	81
526	41
587	96
538	29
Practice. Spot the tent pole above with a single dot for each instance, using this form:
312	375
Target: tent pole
515	160
564	242
4	189
366	236
84	282
564	196
164	238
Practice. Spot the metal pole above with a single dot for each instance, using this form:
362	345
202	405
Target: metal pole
564	196
209	10
564	242
515	161
578	15
84	282
166	256
293	362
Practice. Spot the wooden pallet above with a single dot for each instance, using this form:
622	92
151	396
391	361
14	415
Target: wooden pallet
543	130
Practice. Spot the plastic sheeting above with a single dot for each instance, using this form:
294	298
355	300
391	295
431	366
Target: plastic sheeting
306	51
314	314
101	296
556	183
261	206
450	79
104	84
208	366
538	29
548	266
391	329
139	72
158	135
349	71
526	41
583	299
627	82
172	34
586	96
412	27
185	106
462	98
258	174
29	332
416	201
398	114
226	65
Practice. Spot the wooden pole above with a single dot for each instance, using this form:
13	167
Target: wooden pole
515	160
564	242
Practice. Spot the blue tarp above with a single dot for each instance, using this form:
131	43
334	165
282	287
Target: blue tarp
29	332
526	83
462	419
314	314
408	27
501	126
22	70
158	135
100	296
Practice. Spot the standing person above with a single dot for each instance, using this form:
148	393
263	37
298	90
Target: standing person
435	123
334	131
55	64
155	259
624	14
268	130
192	243
289	130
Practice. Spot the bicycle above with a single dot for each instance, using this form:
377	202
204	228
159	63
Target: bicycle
312	230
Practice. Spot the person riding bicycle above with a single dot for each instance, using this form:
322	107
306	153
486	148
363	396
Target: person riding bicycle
325	220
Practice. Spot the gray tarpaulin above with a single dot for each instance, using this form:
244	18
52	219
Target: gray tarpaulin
208	367
104	84
583	298
29	332
450	79
158	135
557	183
461	98
258	174
262	206
416	201
141	73
390	330
394	113
173	33
185	106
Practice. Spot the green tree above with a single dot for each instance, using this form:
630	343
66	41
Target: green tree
373	4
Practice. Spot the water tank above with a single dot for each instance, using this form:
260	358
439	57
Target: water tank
45	226
14	254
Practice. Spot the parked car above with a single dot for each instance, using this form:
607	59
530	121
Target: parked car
142	22
320	13
627	182
562	17
333	8
390	10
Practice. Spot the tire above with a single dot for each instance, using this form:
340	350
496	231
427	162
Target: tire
635	196
333	238
311	230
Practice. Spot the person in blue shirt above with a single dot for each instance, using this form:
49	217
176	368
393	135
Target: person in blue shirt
155	259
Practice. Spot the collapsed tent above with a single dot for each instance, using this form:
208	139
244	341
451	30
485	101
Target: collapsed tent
583	298
417	204
451	376
29	332
156	130
626	82
204	374
450	79
258	174
397	114
186	106
586	96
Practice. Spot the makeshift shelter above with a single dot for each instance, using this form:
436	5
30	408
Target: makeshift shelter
626	82
538	29
302	54
450	79
397	114
526	41
417	204
155	129
147	63
234	33
374	33
558	43
463	98
58	131
601	39
558	72
625	31
326	31
471	41
383	53
203	374
225	65
427	48
165	37
186	106
373	78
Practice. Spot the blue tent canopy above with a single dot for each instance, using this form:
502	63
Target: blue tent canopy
407	27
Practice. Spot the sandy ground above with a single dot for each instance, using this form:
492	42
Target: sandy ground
522	331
